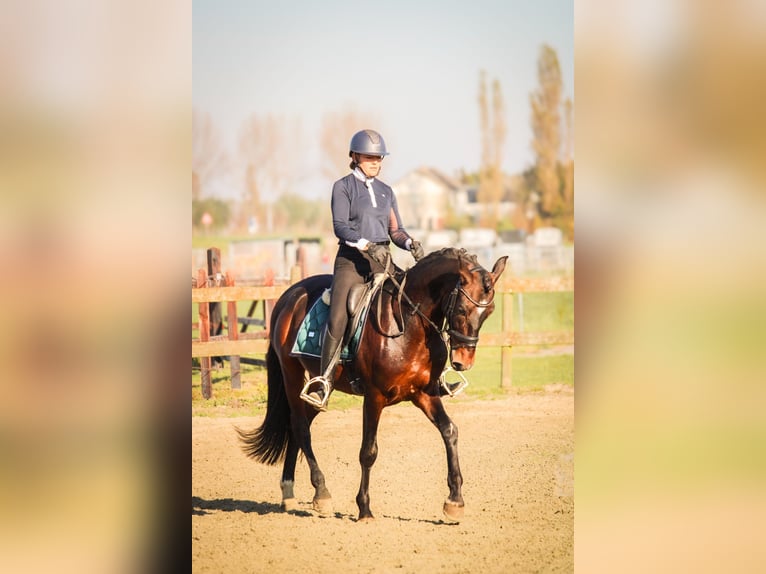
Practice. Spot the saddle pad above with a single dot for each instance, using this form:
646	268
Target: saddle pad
309	338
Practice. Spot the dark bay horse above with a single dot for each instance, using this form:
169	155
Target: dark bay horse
403	350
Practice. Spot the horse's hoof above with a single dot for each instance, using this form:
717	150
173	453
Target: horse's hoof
322	506
366	518
289	504
453	511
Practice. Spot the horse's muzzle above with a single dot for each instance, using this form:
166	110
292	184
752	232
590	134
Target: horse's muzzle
462	358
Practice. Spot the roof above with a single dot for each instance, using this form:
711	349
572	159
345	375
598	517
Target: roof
433	174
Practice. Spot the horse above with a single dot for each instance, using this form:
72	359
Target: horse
422	316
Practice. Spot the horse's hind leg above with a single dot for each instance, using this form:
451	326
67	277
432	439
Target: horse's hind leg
288	475
434	409
301	416
301	424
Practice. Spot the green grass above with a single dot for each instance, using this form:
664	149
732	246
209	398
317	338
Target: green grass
529	374
250	400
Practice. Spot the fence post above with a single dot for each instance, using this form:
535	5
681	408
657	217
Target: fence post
231	319
505	352
216	315
300	259
204	335
295	274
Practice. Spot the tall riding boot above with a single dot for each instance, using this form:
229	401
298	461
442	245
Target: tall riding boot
329	359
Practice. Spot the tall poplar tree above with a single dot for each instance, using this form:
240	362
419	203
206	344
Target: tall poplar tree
493	131
546	129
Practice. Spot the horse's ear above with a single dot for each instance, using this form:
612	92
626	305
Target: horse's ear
498	268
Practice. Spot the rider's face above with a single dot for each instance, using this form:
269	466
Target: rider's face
369	164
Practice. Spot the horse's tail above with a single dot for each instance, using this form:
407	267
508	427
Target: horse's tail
268	443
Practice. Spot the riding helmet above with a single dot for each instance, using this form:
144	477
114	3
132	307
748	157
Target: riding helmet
367	142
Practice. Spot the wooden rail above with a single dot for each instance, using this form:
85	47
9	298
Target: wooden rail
236	344
508	337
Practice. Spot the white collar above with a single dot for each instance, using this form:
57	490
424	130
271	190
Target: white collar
359	174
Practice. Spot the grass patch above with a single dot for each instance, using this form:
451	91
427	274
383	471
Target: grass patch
227	402
529	373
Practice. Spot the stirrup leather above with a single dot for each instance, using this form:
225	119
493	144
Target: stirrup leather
319	404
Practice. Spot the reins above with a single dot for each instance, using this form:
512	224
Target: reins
446	332
402	294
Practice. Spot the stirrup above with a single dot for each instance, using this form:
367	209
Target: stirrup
319	404
453	389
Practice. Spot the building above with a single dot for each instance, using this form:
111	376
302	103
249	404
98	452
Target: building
429	200
425	197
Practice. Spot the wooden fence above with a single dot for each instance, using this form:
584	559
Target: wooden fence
211	289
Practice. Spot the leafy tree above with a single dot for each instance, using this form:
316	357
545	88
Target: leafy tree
546	120
552	178
218	210
299	215
493	130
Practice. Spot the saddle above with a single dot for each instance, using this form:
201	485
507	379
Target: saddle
308	341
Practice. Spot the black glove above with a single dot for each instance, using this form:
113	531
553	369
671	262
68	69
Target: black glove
378	253
417	250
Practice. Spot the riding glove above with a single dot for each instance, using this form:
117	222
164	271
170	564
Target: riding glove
417	250
378	253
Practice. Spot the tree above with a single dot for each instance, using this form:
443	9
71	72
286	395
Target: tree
209	156
300	215
267	147
493	133
568	154
546	121
217	208
335	134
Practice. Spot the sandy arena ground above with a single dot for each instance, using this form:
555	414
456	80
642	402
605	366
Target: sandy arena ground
517	460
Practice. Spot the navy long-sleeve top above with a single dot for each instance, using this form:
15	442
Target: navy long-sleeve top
355	218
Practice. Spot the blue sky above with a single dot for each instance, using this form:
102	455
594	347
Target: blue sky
413	65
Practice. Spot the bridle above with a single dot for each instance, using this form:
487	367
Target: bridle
463	341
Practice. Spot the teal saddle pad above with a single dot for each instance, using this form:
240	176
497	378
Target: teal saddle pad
309	339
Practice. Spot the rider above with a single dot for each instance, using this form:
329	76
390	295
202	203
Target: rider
366	220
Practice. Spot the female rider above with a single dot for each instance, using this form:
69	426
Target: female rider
366	220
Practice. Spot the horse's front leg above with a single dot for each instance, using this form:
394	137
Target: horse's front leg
434	409
368	453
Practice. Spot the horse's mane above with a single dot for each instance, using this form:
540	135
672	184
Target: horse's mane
457	253
461	256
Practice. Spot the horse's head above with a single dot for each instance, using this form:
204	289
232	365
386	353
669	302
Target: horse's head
468	305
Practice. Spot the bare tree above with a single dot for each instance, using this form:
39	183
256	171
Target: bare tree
267	147
335	134
209	156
